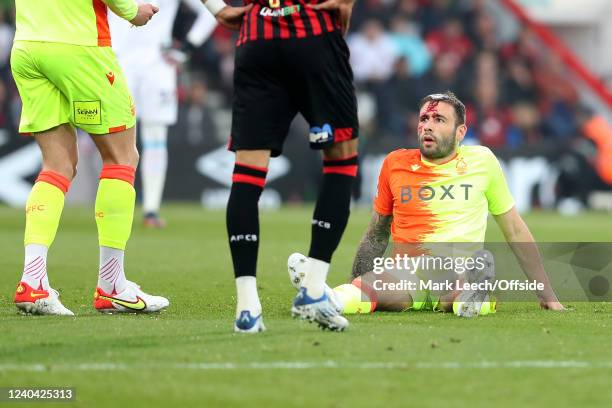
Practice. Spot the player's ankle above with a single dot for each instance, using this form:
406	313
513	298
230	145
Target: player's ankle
315	278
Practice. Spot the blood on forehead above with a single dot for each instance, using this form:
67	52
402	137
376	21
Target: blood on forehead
432	107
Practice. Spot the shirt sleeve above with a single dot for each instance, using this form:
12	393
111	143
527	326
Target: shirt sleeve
203	26
126	9
383	202
498	194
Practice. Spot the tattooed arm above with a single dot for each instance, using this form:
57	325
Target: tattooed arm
373	244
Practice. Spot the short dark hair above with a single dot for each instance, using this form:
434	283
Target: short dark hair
449	98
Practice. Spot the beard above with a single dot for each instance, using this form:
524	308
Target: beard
444	146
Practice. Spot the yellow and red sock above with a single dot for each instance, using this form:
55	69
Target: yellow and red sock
115	205
356	297
44	208
43	212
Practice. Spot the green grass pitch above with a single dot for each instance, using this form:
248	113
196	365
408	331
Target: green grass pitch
519	357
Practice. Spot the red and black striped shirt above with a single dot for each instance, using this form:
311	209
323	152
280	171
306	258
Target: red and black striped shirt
283	19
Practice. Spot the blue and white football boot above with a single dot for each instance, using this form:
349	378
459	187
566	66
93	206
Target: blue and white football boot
297	266
321	310
246	323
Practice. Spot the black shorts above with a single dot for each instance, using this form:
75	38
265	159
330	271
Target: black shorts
276	79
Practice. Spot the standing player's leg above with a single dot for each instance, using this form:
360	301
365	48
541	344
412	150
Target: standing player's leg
100	104
262	111
43	211
329	220
114	212
326	98
157	110
45	113
248	181
331	211
154	164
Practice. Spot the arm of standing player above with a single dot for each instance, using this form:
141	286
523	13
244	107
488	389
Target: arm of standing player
228	16
344	8
198	33
137	14
373	244
526	251
203	26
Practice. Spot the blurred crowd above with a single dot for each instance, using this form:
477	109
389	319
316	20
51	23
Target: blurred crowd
518	94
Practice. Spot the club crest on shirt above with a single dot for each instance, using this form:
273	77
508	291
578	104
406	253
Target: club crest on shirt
461	166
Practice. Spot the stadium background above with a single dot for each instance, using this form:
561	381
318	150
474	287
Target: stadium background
527	98
551	128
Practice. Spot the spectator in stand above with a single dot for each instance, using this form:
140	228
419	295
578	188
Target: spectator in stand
526	47
480	25
410	45
525	125
559	98
451	40
487	119
519	85
366	10
195	125
7	128
442	76
405	100
485	34
435	12
408	10
7	32
373	55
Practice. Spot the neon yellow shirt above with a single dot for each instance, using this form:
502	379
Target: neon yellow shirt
78	22
441	203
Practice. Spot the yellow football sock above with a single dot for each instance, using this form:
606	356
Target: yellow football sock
115	205
353	299
44	208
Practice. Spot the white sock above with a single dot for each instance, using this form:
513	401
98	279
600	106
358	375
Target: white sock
315	278
111	276
248	299
153	165
35	266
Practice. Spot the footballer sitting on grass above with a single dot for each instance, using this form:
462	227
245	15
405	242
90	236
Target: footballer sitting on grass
440	194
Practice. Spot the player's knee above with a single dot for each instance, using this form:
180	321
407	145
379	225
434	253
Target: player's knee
67	168
133	158
341	150
128	157
256	158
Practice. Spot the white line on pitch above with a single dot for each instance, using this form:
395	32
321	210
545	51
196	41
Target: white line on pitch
305	365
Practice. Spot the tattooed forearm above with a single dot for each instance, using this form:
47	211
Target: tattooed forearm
373	244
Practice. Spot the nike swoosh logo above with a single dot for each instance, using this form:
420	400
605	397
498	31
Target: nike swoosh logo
138	305
35	295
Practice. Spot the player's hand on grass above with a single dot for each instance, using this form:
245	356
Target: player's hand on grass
231	17
145	13
344	8
551	305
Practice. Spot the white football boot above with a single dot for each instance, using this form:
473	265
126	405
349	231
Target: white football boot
469	302
131	300
41	302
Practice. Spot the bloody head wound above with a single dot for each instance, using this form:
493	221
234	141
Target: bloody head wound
434	99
